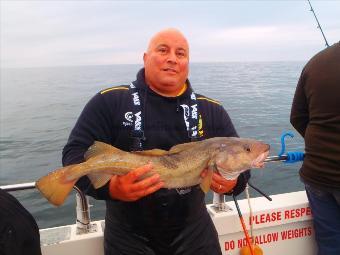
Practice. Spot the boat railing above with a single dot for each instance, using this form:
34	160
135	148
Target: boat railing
219	203
83	209
17	187
82	206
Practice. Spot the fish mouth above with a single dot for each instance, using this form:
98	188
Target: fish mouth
259	161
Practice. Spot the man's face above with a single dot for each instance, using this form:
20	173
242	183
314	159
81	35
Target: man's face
167	63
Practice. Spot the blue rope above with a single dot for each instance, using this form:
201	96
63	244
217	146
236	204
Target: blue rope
292	156
283	144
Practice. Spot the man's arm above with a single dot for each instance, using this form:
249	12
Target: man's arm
299	115
92	125
95	124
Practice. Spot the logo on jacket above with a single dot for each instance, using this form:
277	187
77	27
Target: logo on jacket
186	114
136	100
129	117
138	120
200	126
183	191
190	114
194	111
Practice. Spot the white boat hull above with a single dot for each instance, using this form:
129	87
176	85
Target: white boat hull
282	226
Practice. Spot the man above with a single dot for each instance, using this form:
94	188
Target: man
315	114
158	110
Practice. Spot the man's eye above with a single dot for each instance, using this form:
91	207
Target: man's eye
181	54
162	50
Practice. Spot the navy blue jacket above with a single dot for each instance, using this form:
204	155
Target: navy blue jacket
104	119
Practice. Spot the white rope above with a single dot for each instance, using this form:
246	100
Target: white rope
250	212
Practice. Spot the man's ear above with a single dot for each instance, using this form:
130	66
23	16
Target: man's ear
144	57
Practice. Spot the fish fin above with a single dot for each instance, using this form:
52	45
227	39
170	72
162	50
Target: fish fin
54	186
206	182
175	149
99	180
181	147
98	148
153	152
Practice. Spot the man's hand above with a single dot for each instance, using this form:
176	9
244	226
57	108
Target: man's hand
219	184
129	187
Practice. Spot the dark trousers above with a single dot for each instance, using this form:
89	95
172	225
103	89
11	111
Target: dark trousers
199	238
325	207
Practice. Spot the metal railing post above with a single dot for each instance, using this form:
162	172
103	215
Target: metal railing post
83	212
219	203
82	206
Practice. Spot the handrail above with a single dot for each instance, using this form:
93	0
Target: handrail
16	187
82	207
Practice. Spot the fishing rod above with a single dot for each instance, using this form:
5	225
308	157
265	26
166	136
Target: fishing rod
319	26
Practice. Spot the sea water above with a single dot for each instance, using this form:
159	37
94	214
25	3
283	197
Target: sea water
39	107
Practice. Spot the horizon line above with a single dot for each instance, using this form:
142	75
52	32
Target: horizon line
127	64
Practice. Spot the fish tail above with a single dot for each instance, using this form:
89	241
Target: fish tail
55	187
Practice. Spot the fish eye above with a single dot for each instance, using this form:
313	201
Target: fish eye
222	146
247	148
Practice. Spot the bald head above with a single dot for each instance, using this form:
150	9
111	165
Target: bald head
166	62
169	32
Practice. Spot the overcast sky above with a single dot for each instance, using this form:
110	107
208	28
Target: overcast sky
59	33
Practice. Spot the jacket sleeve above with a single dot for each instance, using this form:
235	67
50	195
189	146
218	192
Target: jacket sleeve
92	125
299	115
226	128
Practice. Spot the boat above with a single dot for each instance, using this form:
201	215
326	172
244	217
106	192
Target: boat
281	226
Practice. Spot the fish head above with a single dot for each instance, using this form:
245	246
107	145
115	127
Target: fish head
233	155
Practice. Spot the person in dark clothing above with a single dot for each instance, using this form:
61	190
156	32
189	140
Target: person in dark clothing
315	114
158	110
19	233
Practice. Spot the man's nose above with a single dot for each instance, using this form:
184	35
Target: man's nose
172	57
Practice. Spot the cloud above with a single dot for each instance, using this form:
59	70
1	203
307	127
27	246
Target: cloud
243	34
258	43
36	33
262	35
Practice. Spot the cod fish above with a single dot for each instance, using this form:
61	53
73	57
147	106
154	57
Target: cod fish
179	167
